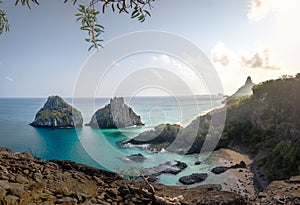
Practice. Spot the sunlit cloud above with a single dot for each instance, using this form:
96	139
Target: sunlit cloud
9	79
245	59
220	54
259	9
259	59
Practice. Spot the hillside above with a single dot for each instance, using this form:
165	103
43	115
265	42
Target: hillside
266	126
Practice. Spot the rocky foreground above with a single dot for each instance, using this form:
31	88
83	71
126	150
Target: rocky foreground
25	179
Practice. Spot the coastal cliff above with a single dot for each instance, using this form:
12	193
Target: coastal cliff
56	113
115	115
264	125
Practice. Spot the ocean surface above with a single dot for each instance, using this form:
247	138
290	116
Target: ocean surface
99	148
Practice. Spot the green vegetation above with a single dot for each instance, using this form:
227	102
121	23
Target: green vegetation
88	14
267	126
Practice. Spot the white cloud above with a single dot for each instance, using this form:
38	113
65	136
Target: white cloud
259	9
220	54
9	79
245	59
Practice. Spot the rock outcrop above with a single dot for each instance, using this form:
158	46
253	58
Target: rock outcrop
25	179
56	113
158	138
221	169
115	115
134	158
245	89
169	167
193	178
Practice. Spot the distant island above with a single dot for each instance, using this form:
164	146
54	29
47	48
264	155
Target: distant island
56	113
115	115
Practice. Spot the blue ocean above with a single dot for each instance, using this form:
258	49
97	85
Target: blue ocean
99	148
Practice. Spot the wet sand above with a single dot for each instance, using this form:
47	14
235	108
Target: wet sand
235	180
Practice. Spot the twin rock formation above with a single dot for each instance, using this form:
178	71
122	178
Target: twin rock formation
57	113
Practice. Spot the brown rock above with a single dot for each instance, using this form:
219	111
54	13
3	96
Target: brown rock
11	200
66	201
2	193
21	179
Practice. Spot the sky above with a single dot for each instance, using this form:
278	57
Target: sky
44	52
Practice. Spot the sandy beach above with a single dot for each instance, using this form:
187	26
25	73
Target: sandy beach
236	180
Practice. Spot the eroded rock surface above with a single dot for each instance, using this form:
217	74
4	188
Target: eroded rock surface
56	113
115	115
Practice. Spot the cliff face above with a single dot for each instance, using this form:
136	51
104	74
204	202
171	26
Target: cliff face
245	89
56	113
115	115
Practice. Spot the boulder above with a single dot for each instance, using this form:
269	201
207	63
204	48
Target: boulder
158	138
115	115
135	158
221	169
193	178
56	113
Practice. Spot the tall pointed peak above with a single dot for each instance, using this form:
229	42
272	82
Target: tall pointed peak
249	81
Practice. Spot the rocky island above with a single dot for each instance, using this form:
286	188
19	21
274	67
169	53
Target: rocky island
56	113
115	115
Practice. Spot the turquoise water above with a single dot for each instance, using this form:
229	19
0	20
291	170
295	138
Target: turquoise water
99	148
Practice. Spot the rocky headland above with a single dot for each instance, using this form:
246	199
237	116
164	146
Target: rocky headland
264	126
56	113
115	115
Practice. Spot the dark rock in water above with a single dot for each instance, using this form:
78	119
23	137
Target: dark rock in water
193	178
56	113
219	170
197	163
166	168
176	168
115	115
158	138
135	157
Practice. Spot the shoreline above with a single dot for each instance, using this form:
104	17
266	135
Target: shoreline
240	180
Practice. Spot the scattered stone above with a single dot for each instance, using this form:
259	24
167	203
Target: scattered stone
67	201
221	169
